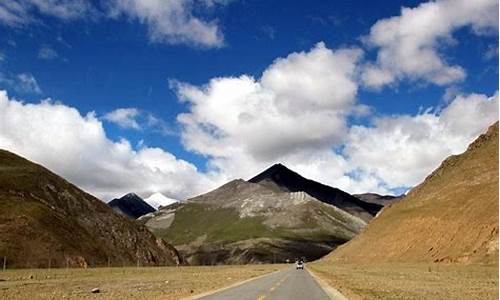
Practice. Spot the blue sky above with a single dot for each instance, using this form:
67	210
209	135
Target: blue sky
101	60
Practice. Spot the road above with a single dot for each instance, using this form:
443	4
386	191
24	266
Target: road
287	284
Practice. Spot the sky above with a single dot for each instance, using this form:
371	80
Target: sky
179	97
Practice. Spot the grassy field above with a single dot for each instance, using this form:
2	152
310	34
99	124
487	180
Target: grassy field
123	283
411	281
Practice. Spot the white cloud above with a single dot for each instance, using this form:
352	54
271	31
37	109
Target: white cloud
300	104
17	13
76	147
408	45
296	113
401	150
27	83
171	21
124	117
47	53
24	83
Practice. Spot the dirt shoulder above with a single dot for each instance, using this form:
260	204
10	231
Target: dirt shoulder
124	283
411	281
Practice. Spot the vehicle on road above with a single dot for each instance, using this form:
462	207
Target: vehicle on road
299	265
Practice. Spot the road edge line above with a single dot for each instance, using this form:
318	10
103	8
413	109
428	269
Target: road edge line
332	292
208	293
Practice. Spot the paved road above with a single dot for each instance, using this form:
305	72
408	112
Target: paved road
288	284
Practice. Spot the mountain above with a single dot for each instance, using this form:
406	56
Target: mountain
246	222
131	206
280	178
45	218
158	200
451	217
378	199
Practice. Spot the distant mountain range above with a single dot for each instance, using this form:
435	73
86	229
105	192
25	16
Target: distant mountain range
272	217
378	199
131	205
47	220
451	217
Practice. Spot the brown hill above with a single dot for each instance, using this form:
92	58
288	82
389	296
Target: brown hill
45	218
452	216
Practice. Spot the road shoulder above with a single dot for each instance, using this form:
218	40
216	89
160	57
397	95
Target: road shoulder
333	293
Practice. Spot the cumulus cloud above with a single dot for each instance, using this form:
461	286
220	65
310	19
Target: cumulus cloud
171	21
408	45
77	147
299	104
124	117
401	150
297	113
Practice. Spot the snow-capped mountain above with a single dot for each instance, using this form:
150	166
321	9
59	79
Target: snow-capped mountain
157	200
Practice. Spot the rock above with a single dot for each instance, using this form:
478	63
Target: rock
95	291
30	276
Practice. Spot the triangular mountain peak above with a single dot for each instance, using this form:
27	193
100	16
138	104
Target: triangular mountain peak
280	177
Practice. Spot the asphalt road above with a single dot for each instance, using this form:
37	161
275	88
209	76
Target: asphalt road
288	284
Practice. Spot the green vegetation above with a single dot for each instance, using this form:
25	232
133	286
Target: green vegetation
218	224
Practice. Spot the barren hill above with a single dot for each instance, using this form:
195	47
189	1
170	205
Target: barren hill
452	216
244	222
45	218
280	178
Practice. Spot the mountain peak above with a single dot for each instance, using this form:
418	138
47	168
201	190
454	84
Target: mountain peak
131	205
280	178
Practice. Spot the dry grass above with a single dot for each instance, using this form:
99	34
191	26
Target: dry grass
411	281
123	283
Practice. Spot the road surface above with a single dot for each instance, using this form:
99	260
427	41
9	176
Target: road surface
287	284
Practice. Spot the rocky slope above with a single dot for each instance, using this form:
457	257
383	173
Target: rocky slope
131	205
280	178
451	217
45	218
245	222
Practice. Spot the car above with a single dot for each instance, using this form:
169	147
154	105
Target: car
299	265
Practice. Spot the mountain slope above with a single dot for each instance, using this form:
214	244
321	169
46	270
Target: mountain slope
131	206
279	177
378	199
44	218
452	216
244	222
158	200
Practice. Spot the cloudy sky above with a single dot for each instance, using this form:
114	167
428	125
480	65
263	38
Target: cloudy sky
179	97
